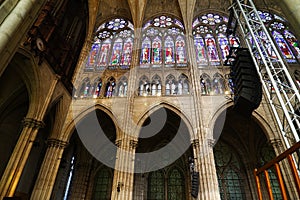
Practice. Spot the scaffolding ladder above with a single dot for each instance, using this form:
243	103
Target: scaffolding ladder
278	85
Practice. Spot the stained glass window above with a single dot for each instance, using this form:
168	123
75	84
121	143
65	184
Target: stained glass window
183	85
228	171
211	43
283	46
180	50
293	42
166	186
110	87
163	43
146	47
286	41
156	51
156	186
169	50
175	185
267	154
144	86
116	52
156	86
97	87
218	84
170	85
84	90
102	185
122	87
212	49
200	50
112	47
205	83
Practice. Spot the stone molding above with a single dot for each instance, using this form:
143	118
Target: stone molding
33	123
57	143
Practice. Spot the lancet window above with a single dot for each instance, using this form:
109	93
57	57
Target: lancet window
112	46
163	43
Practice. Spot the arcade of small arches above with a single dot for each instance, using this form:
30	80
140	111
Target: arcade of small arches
155	86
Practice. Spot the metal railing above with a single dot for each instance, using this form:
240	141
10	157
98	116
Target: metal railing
275	163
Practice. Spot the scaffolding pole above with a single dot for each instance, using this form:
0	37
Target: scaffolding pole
278	85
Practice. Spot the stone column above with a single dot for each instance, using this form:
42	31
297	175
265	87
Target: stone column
17	161
291	10
205	165
122	187
14	26
46	178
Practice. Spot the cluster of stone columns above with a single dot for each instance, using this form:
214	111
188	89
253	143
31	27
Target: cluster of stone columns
16	164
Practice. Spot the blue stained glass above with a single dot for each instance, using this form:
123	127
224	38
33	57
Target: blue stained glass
178	23
105	48
277	26
126	56
196	23
93	55
285	50
180	50
116	52
212	50
116	24
156	51
200	51
169	50
223	42
234	41
294	43
211	19
146	46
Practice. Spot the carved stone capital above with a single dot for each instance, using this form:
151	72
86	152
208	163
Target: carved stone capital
33	123
133	144
195	143
211	142
57	143
276	143
118	143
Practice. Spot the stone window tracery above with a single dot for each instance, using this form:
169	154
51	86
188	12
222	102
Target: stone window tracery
163	43
102	184
286	41
112	46
166	185
211	42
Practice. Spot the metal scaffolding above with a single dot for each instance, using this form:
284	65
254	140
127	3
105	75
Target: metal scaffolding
278	85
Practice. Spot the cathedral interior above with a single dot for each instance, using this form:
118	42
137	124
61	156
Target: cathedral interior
133	99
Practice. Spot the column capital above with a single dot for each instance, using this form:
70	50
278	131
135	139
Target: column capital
118	143
195	143
133	144
276	143
211	142
33	123
57	143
